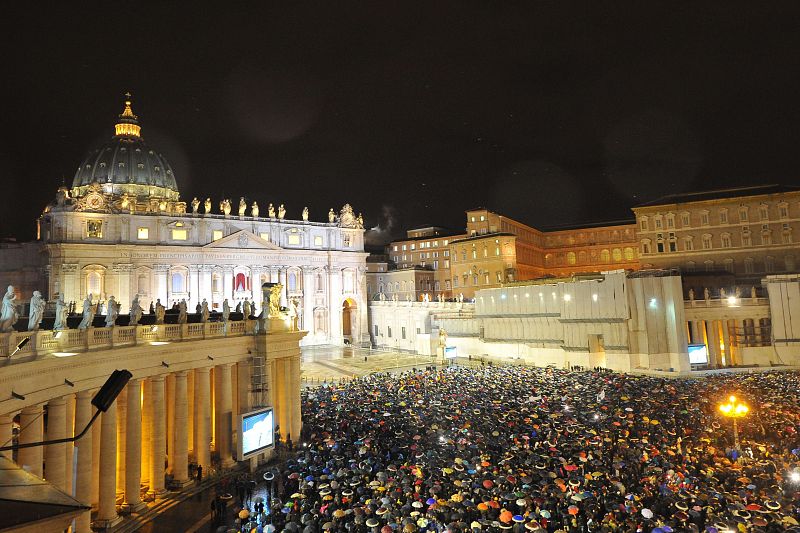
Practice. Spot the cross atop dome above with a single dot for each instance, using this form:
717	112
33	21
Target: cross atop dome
128	122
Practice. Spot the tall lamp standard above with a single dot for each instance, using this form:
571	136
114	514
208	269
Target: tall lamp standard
734	409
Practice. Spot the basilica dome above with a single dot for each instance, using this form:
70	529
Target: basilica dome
126	165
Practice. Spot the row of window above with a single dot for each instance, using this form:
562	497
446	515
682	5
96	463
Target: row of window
376	330
707	241
94	230
424	244
582	257
485	278
668	221
749	264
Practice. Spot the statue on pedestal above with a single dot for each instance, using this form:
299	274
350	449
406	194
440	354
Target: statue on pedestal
242	206
305	214
691	294
275	301
225	207
8	314
254	209
36	311
61	313
359	221
281	211
182	312
160	311
204	312
246	309
136	312
226	310
461	297
331	216
753	293
722	293
706	294
112	311
88	313
195	205
441	297
271	211
207	206
238	308
382	297
293	313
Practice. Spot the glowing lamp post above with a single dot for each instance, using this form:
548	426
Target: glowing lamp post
734	409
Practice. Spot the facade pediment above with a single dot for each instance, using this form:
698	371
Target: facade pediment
242	239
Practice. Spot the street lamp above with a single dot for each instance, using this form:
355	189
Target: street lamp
734	409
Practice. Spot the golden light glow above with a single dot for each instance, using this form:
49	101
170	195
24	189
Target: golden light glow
733	408
128	129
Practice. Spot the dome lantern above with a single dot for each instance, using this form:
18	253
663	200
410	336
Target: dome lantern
128	122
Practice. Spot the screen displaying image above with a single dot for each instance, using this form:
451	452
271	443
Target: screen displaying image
698	354
450	352
258	432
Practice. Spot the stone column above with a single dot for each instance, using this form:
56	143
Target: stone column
307	323
697	337
55	454
297	419
730	359
31	424
277	386
161	289
180	465
713	343
282	281
69	447
158	437
287	402
122	422
107	508
255	282
190	415
6	433
83	450
194	286
169	385
223	411
202	421
95	485
133	453
147	426
227	284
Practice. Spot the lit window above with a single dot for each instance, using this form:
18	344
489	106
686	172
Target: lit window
685	220
704	218
94	282
706	242
294	239
688	245
616	254
726	240
264	236
94	228
658	223
179	235
643	224
743	214
318	240
723	216
483	218
783	211
143	234
763	212
216	235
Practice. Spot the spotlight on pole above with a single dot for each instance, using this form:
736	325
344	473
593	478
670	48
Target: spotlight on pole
20	345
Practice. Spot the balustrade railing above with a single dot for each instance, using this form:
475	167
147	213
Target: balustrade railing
74	340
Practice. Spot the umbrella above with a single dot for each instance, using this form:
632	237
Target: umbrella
573	509
647	513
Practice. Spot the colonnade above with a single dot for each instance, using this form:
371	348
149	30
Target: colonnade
152	431
724	337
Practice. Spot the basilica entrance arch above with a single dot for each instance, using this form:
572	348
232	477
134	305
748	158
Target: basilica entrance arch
349	320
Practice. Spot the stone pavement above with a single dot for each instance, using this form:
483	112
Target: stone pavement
332	363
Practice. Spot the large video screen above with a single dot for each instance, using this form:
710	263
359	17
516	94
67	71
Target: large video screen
698	354
258	432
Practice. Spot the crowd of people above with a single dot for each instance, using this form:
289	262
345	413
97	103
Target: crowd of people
533	449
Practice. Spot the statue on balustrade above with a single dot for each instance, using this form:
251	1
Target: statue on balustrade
274	301
160	311
722	293
254	209
294	314
207	205
242	206
281	211
88	312
225	207
36	311
246	309
441	297
195	205
112	312
706	294
238	308
226	310
182	310
61	313
691	294
204	311
271	211
305	214
753	293
331	216
136	312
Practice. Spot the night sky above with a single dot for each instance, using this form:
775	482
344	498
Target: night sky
552	113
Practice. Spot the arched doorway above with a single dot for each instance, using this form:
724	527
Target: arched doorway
349	320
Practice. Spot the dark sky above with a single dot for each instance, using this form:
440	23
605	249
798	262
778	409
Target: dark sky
550	112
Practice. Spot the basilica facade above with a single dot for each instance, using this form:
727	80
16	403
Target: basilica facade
123	230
